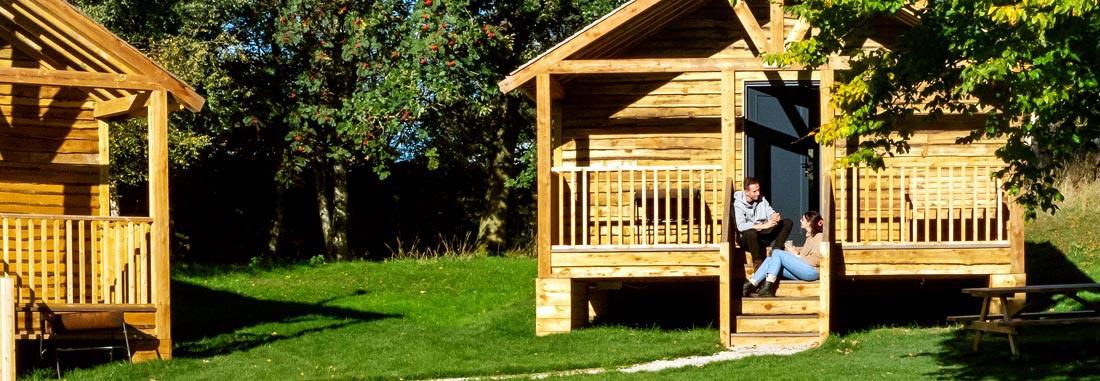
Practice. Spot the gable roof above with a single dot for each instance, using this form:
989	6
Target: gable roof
63	38
633	21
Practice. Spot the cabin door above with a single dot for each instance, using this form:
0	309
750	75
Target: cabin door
778	149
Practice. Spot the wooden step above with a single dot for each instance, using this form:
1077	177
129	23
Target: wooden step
793	288
780	306
777	338
776	323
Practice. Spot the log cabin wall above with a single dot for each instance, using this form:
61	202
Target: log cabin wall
49	147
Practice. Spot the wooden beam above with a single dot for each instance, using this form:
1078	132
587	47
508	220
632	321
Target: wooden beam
104	186
752	28
544	112
798	32
826	158
63	78
158	211
776	26
122	106
664	65
77	24
7	327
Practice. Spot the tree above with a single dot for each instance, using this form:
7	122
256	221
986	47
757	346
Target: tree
1031	65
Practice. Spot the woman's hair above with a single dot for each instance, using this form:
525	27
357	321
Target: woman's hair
816	224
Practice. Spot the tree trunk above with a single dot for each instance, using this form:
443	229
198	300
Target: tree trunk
331	186
276	231
340	247
491	229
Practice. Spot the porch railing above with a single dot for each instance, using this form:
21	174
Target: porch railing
935	203
636	206
78	259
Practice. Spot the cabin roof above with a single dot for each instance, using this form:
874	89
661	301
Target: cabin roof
64	39
633	21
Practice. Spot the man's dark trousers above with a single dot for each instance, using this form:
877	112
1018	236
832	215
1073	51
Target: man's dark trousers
754	241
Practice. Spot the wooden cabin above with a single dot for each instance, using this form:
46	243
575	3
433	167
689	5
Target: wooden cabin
62	77
649	119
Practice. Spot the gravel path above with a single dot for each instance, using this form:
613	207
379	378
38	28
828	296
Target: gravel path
654	366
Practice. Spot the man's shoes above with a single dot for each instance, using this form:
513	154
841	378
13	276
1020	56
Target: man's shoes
747	288
766	290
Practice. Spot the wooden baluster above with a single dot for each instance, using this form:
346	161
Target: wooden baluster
57	261
561	206
951	204
130	253
939	205
913	197
988	192
717	183
843	206
146	280
43	254
104	258
573	184
69	261
18	268
679	205
855	204
645	211
903	230
703	207
691	207
1000	212
7	253
668	206
974	210
657	206
584	205
596	206
890	221
611	228
82	261
30	261
633	211
622	231
878	206
120	247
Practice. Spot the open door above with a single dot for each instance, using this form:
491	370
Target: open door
779	152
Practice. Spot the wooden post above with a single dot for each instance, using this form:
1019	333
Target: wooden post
726	268
7	328
543	136
827	155
158	211
104	188
725	326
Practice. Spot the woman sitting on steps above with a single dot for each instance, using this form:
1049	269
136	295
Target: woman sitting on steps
798	263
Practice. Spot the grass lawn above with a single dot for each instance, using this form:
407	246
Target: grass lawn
412	319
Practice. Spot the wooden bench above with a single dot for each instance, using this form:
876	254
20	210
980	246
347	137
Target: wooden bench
1008	322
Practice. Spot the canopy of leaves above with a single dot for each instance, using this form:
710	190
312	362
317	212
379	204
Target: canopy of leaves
1031	66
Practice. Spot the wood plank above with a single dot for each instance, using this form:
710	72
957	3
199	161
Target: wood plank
131	105
788	339
780	306
776	22
637	259
751	26
634	271
928	256
777	323
921	269
798	33
76	79
663	65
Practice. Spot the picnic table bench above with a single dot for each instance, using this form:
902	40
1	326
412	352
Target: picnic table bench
1010	320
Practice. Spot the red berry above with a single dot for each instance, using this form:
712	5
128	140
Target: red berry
423	61
425	27
435	47
427	3
451	63
301	149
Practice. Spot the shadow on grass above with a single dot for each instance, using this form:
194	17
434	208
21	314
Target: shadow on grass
1060	352
207	322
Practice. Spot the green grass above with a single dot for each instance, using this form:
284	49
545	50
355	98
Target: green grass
399	319
413	319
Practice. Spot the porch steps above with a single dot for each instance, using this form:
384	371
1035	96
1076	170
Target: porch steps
790	318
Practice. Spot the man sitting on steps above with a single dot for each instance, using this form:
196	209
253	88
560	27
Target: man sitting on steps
758	223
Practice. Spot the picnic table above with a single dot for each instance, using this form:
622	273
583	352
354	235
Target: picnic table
1010	320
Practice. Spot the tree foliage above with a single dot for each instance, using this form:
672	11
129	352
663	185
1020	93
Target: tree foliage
1031	66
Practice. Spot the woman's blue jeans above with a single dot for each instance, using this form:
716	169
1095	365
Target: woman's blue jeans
787	264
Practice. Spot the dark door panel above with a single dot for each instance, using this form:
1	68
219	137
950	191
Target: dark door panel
778	119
